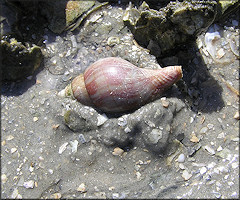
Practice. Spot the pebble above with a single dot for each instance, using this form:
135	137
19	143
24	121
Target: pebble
127	130
74	145
186	175
181	158
9	137
122	121
235	165
155	136
224	153
209	149
219	148
165	103
210	126
236	116
118	151
15	194
234	22
4	178
221	135
203	170
29	184
13	150
203	130
194	139
82	138
35	119
101	119
181	166
115	195
81	188
56	195
138	174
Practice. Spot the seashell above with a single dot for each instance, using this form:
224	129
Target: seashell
115	85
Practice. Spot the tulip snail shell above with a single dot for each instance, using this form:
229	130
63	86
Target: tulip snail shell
115	85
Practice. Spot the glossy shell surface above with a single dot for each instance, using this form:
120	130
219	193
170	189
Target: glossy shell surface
115	85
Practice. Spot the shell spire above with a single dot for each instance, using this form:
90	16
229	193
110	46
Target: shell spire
115	85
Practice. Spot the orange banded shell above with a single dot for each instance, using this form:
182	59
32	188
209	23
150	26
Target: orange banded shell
115	85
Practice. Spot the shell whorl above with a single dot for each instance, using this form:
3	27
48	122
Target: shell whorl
115	85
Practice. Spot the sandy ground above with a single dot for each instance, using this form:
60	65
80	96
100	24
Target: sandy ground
42	158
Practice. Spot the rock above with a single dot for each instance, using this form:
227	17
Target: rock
236	115
186	175
81	118
81	188
19	61
154	136
63	15
209	150
118	151
154	29
194	139
181	158
29	184
74	145
4	178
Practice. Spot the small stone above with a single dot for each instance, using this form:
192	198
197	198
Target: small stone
224	153
221	135
81	188
127	130
31	169
111	188
202	119
234	22
194	139
235	165
209	149
82	138
191	120
203	130
165	103
203	170
115	196
138	174
4	178
186	175
29	184
74	145
236	116
118	151
15	193
13	150
210	126
181	158
155	136
55	126
35	119
63	148
219	148
9	137
181	166
101	119
56	195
